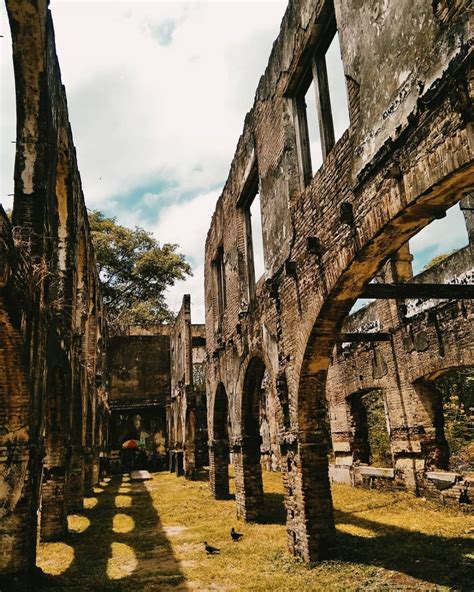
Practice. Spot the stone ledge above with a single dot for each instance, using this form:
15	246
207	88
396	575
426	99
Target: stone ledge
376	472
443	479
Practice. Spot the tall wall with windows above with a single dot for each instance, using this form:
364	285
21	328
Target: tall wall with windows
360	135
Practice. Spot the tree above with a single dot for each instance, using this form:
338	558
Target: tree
134	271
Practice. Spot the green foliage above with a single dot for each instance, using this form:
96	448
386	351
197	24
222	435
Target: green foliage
134	271
438	259
457	389
379	440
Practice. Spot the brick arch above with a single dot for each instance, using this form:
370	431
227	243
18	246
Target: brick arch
435	446
386	234
248	470
219	444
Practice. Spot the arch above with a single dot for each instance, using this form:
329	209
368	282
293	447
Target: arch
446	421
190	443
365	408
248	468
219	445
385	232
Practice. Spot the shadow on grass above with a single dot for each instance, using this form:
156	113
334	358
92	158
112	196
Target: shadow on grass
435	559
123	549
274	511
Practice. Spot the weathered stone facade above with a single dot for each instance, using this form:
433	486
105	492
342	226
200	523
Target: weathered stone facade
406	157
157	394
407	346
139	386
52	329
187	413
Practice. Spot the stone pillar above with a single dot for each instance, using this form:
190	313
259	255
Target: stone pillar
172	458
248	479
18	518
179	463
76	481
467	208
219	468
88	472
190	460
54	498
310	520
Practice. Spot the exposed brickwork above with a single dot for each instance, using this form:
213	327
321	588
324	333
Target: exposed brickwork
52	323
406	157
187	416
427	339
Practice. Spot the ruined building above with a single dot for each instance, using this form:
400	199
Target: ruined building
139	387
187	409
53	403
157	397
338	206
290	372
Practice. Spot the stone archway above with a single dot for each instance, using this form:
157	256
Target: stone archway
219	446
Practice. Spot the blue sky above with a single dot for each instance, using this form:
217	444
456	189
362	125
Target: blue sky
157	94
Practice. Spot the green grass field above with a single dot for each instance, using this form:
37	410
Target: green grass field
149	536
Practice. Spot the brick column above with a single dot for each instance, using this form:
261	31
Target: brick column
88	471
310	520
54	497
21	457
219	468
179	464
248	479
76	481
172	459
189	460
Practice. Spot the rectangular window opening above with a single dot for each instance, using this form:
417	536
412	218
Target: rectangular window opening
257	237
219	267
249	202
321	104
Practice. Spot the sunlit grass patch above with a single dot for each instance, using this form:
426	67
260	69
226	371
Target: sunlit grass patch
356	530
123	523
90	502
122	563
78	523
123	501
54	558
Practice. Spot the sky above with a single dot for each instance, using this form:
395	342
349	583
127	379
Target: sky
157	95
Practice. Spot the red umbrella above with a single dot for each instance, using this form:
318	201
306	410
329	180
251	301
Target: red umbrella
130	444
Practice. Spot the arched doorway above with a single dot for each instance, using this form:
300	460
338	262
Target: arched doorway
219	446
248	468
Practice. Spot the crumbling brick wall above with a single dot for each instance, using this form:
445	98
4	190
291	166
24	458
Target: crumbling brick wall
405	158
418	340
51	310
187	415
139	386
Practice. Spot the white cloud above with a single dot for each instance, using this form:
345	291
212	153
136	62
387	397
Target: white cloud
439	237
157	95
157	89
190	222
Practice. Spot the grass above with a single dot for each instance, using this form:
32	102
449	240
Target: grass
149	536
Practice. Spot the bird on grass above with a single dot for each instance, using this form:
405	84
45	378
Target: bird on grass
210	550
236	536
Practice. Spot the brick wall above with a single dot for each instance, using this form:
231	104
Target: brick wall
406	157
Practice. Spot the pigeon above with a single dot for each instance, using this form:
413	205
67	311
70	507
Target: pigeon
236	536
210	549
